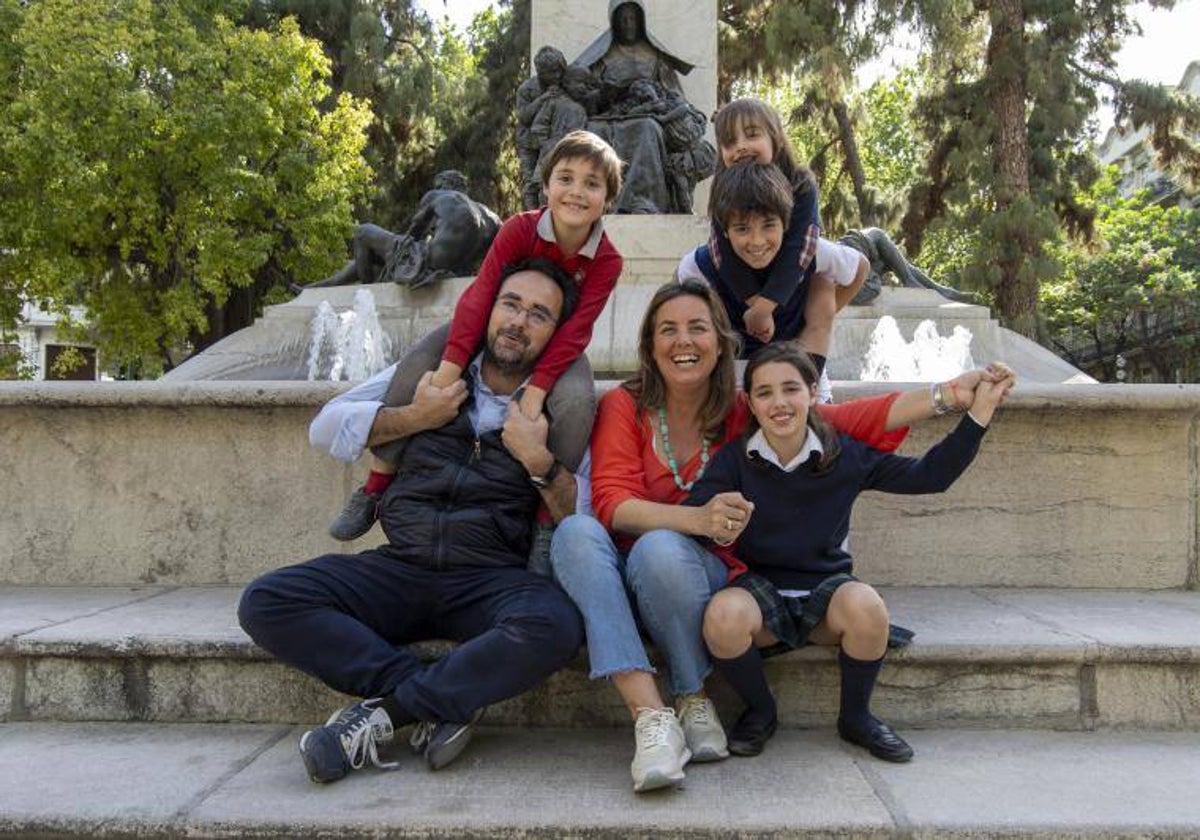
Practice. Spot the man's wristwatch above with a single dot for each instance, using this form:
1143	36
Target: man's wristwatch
543	481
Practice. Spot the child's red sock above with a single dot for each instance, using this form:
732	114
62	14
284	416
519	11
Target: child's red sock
377	482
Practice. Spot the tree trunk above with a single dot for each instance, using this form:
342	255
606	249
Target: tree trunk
928	199
866	208
1016	296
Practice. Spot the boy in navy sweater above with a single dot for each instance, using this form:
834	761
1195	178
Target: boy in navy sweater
802	480
753	204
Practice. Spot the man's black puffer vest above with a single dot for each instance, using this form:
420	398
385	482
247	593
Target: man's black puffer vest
459	501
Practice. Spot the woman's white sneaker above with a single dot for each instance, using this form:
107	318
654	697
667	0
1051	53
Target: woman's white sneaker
661	750
702	728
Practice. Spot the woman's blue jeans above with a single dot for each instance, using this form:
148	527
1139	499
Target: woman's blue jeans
667	579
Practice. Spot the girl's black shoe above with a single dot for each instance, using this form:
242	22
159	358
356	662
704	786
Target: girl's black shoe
749	735
879	740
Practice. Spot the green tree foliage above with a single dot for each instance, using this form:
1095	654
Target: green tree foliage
1174	118
1007	123
1008	86
1133	292
162	164
480	140
890	152
10	288
439	98
814	48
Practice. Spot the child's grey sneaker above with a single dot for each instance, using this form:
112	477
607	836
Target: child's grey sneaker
661	750
347	741
702	728
356	517
441	743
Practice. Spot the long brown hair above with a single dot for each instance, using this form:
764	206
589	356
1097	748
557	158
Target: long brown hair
647	386
788	353
751	111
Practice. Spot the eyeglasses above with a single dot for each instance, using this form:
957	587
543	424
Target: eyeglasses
536	317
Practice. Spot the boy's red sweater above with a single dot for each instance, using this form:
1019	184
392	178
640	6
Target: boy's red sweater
595	267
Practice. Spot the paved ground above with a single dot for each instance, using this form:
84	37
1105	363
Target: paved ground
214	780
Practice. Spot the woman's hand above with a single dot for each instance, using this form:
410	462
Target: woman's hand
988	395
725	516
962	389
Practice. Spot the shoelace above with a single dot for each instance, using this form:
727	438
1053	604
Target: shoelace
697	709
654	729
359	739
421	734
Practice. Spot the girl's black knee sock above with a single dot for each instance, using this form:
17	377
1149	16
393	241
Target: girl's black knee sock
858	679
748	678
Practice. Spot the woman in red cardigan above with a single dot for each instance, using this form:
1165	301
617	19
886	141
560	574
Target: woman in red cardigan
652	439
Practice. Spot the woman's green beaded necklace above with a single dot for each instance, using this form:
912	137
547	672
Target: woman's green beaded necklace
666	440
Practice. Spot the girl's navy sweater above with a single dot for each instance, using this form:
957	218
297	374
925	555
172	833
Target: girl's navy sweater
796	534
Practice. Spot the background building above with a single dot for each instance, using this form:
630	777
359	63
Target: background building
38	346
1130	149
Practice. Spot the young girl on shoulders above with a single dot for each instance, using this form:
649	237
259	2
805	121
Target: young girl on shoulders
802	479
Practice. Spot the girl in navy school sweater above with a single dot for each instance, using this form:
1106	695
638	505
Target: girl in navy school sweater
802	480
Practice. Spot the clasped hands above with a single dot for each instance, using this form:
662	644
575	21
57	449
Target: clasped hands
995	382
726	516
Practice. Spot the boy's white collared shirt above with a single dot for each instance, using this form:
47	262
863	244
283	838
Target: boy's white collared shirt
545	229
758	445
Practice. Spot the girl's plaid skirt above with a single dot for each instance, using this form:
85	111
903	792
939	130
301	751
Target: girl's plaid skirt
792	619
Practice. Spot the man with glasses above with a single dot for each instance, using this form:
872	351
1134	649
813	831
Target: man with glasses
459	520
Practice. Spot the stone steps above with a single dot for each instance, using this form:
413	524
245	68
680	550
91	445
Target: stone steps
229	780
983	658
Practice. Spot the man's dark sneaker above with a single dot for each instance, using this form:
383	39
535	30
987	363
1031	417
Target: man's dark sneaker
441	743
879	739
356	517
347	741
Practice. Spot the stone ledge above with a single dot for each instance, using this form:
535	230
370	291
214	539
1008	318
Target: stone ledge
1075	486
977	625
982	658
212	781
1030	396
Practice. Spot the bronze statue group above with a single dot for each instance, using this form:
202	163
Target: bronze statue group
523	520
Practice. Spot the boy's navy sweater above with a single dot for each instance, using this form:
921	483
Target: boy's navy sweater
788	316
796	534
792	266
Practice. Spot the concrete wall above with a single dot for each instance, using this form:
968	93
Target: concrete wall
120	484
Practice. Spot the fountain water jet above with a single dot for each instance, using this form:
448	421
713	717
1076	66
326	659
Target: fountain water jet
929	357
350	345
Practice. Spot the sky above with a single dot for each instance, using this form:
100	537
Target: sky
460	12
1168	43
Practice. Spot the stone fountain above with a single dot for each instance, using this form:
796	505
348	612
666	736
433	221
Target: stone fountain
279	344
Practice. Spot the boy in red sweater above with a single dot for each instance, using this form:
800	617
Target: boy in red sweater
581	177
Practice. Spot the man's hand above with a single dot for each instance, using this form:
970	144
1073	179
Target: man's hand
525	439
434	407
759	319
